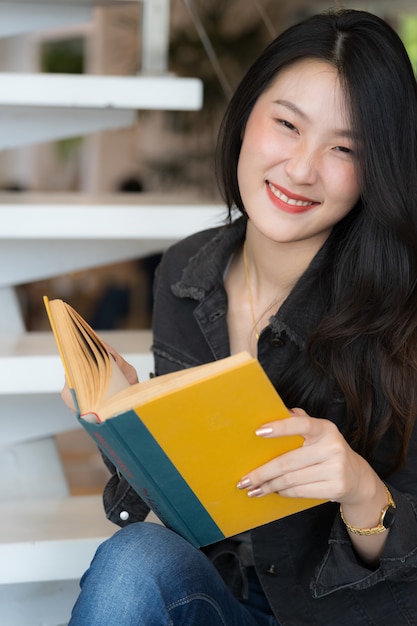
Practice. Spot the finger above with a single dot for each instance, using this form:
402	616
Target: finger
278	472
325	459
287	463
314	490
111	350
318	481
66	395
128	371
310	428
126	368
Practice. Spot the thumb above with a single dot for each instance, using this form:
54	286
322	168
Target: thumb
297	412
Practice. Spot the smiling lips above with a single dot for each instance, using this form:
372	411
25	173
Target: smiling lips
289	203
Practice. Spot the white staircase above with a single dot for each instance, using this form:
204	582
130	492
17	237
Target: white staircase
43	107
56	106
47	536
18	17
65	233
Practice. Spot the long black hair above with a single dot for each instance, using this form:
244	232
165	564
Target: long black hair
367	339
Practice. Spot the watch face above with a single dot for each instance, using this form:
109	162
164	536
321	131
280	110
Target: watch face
389	517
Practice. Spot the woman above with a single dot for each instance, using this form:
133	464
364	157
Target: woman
316	275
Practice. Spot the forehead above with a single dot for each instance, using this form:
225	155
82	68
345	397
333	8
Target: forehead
311	85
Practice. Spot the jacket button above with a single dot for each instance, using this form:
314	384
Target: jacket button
216	314
271	570
124	516
276	341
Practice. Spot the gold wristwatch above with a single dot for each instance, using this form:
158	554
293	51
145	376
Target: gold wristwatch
385	521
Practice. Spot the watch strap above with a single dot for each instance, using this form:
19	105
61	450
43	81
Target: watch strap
385	521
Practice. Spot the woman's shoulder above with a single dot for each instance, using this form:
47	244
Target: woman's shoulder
200	257
178	256
189	250
189	246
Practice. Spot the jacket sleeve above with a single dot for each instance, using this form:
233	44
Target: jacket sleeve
341	567
122	504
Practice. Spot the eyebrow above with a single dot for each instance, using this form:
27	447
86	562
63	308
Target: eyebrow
342	132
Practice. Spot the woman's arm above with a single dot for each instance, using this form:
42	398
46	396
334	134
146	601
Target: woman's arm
121	503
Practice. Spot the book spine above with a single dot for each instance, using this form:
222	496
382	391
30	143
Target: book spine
148	470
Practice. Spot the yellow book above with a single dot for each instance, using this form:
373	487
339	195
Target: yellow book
182	440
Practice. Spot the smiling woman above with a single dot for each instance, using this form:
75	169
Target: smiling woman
297	179
316	275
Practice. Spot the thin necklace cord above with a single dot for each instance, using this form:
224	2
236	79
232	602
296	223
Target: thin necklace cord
245	262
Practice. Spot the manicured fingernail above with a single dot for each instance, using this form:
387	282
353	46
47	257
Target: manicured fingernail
264	431
244	483
256	493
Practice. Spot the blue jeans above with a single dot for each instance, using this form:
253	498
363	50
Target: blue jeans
146	575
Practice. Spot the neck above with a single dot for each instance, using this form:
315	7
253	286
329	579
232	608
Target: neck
257	291
275	267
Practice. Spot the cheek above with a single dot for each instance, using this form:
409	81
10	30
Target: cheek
241	167
258	156
259	141
250	159
352	190
343	184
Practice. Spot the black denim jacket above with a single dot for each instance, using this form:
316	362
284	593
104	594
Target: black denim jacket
306	563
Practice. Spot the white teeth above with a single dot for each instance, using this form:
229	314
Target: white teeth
286	199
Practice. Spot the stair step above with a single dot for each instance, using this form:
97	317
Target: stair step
43	107
32	376
168	93
30	364
50	539
61	234
19	17
114	216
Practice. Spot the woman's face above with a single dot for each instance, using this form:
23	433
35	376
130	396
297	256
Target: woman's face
296	169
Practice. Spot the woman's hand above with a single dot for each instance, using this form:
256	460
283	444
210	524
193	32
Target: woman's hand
324	467
67	397
126	368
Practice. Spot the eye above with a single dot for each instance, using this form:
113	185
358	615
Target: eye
288	125
343	149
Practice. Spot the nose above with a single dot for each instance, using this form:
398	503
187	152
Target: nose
301	165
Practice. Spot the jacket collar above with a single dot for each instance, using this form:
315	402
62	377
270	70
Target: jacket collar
205	270
297	316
